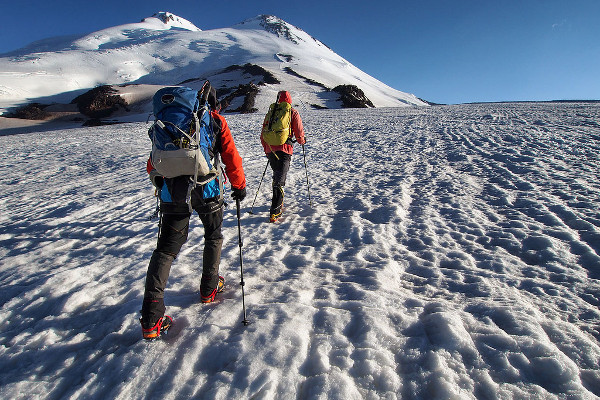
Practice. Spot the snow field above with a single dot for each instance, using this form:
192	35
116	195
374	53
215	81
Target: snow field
451	252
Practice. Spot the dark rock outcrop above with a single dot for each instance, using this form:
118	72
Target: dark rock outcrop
255	70
33	111
100	102
249	92
352	97
278	27
307	80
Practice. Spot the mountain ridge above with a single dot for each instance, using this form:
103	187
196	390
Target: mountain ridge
165	50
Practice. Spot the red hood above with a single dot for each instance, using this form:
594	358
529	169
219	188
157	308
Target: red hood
284	96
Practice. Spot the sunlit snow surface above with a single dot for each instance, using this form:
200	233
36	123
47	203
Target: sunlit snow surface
450	253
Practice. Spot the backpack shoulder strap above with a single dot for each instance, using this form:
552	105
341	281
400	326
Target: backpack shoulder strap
216	127
272	117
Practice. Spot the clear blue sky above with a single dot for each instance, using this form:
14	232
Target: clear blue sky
441	50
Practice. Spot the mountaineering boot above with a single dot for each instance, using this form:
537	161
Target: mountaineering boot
276	203
153	320
275	217
211	297
154	332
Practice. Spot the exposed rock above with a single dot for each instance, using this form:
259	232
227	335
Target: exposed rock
285	57
249	91
258	76
307	80
164	17
33	111
254	70
352	97
278	27
100	102
430	102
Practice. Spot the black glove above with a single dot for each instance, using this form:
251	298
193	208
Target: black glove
156	179
238	194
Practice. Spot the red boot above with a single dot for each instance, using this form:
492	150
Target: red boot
161	326
211	297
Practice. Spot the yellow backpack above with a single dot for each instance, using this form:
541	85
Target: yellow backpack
277	124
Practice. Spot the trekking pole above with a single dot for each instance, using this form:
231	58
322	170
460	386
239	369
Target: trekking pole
306	168
237	203
156	210
257	190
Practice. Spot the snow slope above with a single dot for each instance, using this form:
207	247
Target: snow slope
450	253
167	50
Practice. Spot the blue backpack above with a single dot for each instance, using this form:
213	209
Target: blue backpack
182	135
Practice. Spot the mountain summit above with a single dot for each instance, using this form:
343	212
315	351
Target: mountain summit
248	63
276	26
173	21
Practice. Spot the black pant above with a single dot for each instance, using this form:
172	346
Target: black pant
280	164
173	234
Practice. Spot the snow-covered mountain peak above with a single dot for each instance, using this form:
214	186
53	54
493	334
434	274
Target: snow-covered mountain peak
173	21
248	63
279	27
133	34
274	25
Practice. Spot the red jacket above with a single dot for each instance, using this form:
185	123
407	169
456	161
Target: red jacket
297	128
229	154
